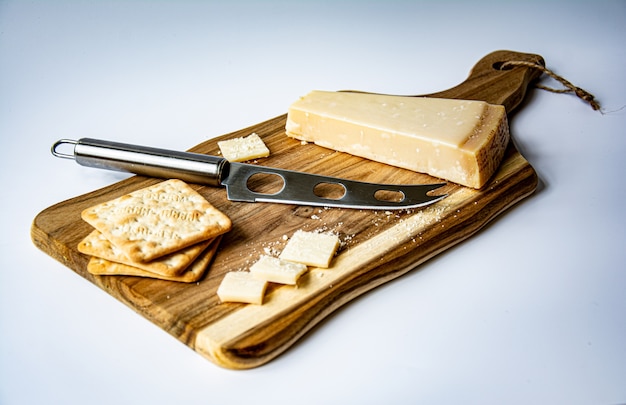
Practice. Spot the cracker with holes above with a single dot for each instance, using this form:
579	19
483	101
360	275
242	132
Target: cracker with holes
158	220
194	272
97	245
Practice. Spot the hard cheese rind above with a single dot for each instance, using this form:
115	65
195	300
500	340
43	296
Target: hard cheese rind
462	141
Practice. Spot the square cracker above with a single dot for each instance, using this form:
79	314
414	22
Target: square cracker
193	273
173	264
157	220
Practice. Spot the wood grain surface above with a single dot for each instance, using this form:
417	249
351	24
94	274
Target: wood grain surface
377	246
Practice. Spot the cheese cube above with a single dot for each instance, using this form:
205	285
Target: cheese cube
241	286
311	248
243	149
275	270
458	140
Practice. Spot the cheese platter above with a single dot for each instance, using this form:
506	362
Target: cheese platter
377	246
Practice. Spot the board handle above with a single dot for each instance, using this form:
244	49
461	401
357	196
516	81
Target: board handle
489	81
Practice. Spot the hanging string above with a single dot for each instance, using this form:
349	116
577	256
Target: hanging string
569	87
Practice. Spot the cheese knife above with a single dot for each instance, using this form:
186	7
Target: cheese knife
293	187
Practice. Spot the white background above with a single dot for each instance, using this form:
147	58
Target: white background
531	310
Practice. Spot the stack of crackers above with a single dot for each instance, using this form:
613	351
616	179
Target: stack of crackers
167	231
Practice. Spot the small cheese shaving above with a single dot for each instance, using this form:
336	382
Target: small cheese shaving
275	270
241	286
311	248
243	149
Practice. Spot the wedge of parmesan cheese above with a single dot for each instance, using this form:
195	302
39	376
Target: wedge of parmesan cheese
241	286
311	248
462	141
275	270
243	149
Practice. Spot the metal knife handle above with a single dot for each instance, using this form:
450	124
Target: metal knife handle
192	167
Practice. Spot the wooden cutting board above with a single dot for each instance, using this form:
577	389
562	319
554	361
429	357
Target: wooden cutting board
377	246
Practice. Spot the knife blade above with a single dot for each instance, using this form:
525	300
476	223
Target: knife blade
286	186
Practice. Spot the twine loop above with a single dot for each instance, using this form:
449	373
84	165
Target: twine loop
569	87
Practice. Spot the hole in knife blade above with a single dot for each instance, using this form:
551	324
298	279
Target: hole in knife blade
330	191
389	195
265	183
